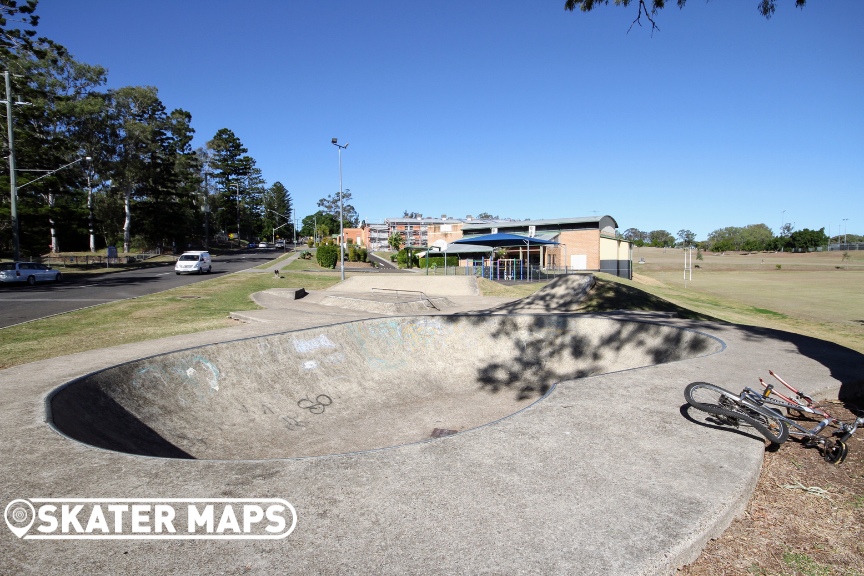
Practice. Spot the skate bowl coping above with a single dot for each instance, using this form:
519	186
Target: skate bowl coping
352	387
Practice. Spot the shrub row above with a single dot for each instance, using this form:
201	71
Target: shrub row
438	261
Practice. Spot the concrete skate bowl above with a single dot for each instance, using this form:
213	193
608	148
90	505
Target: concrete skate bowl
351	387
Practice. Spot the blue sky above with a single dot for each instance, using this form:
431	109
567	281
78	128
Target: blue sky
516	108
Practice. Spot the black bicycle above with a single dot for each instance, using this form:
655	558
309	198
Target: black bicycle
764	412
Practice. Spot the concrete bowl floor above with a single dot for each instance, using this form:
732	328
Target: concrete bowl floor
351	387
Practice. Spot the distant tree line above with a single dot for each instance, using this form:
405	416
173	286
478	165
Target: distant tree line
143	185
751	238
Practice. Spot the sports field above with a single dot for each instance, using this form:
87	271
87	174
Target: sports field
818	294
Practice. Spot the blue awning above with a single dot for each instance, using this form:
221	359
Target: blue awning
501	240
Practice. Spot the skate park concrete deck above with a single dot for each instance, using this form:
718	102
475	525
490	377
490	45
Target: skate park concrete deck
575	452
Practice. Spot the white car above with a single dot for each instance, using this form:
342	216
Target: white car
193	262
29	272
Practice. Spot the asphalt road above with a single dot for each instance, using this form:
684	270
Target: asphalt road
22	303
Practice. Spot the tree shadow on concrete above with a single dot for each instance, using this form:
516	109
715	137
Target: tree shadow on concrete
548	349
585	293
533	369
844	364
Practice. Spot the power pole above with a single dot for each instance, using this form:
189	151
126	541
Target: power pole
13	185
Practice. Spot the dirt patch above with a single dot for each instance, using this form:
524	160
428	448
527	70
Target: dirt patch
806	517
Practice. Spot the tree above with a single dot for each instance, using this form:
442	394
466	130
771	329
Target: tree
396	241
168	208
231	169
137	118
756	237
766	7
319	225
686	237
661	238
51	210
151	167
486	216
752	238
277	210
330	204
636	236
806	239
18	40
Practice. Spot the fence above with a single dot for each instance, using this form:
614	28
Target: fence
93	260
846	247
504	270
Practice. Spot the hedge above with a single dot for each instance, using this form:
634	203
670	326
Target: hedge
438	262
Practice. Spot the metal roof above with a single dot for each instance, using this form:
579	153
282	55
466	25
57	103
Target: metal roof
562	222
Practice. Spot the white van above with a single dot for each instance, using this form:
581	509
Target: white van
194	261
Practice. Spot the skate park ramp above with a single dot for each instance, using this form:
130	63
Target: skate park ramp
351	387
562	294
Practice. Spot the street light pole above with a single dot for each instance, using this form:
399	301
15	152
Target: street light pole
782	224
341	220
282	226
844	230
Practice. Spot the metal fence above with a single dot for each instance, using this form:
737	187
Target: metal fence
846	247
503	270
94	260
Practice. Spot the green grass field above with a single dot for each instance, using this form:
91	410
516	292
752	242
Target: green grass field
816	294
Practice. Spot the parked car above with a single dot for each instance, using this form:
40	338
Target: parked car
280	244
263	245
29	272
194	261
251	245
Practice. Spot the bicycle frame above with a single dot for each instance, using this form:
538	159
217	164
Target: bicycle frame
756	401
802	403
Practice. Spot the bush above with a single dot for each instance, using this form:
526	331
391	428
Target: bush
306	255
402	259
438	262
362	255
327	255
352	252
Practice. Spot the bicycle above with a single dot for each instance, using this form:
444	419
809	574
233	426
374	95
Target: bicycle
762	412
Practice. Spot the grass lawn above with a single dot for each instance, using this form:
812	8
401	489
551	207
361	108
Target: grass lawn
194	308
816	294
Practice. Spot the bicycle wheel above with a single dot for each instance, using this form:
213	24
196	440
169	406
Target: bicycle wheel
835	451
719	401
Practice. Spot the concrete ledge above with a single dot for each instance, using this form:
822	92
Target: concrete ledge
289	293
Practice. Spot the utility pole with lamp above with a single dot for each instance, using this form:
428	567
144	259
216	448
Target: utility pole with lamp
335	142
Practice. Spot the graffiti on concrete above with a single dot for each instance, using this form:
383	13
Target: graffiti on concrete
316	407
